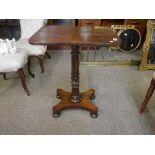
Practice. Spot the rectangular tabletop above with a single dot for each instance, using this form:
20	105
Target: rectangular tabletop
69	35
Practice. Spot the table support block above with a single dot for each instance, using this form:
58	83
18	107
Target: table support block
84	103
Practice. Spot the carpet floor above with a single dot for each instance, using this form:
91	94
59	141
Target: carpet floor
105	55
119	93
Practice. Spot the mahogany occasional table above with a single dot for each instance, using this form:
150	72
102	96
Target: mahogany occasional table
75	37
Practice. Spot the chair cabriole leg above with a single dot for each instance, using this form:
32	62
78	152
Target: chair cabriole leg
148	96
22	77
29	67
40	58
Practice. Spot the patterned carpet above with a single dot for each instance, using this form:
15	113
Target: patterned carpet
119	92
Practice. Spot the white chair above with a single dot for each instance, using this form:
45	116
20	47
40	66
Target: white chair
28	28
14	63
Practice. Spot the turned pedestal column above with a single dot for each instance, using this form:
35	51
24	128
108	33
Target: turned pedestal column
75	99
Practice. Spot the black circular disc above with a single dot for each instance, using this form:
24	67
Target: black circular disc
130	39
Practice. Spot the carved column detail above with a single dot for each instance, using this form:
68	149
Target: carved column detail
75	95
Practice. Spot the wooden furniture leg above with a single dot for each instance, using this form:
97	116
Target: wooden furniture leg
148	96
4	76
29	67
22	77
75	99
40	58
48	55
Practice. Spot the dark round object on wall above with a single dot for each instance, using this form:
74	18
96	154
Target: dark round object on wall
130	39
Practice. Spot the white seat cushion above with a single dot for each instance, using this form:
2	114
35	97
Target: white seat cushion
13	62
33	50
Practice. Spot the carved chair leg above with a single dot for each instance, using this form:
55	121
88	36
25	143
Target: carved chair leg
40	58
22	77
4	76
48	55
148	96
29	67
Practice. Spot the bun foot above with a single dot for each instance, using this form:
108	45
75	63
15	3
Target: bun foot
56	114
94	114
58	97
92	97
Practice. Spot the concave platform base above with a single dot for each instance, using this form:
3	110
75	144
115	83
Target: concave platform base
66	103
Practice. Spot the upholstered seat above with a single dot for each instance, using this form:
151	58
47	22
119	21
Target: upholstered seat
14	63
28	28
34	50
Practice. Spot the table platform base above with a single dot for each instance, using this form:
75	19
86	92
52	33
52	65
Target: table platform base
66	103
